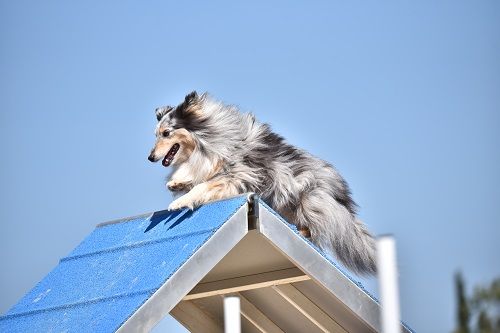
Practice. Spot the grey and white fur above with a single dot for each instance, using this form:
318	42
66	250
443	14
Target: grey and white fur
218	152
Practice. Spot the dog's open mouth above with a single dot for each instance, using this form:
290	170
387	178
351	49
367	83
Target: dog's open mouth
170	155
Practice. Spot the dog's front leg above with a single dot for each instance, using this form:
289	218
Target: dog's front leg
180	180
203	193
178	185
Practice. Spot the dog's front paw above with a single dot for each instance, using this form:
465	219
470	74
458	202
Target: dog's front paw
176	186
180	203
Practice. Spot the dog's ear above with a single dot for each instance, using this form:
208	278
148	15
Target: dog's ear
161	112
191	98
191	105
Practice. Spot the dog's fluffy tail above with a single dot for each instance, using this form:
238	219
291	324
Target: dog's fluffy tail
334	229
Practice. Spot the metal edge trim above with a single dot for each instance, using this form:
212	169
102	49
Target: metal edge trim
139	216
189	274
125	219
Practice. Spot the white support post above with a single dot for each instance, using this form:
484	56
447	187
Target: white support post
232	317
388	284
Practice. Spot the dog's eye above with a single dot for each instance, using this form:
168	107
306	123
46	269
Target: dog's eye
165	133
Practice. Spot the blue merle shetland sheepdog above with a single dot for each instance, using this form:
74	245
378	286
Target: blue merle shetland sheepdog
218	152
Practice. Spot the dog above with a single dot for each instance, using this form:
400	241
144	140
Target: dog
217	152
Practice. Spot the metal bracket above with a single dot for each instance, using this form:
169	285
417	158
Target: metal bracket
253	211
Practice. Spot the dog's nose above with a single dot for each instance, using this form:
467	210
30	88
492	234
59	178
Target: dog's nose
151	158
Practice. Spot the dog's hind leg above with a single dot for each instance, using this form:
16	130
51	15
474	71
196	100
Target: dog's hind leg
334	229
304	231
290	216
205	192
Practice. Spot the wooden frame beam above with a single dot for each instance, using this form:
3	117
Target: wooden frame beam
248	282
256	317
310	310
194	318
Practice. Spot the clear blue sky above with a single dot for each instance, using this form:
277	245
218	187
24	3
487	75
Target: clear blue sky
403	97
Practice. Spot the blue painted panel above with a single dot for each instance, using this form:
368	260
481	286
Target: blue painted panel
106	278
102	316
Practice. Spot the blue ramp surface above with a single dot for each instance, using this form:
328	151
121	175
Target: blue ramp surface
115	270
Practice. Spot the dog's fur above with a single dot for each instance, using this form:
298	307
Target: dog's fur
224	153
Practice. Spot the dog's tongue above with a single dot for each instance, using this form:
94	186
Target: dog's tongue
170	155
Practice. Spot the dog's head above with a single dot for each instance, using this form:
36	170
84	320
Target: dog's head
174	132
